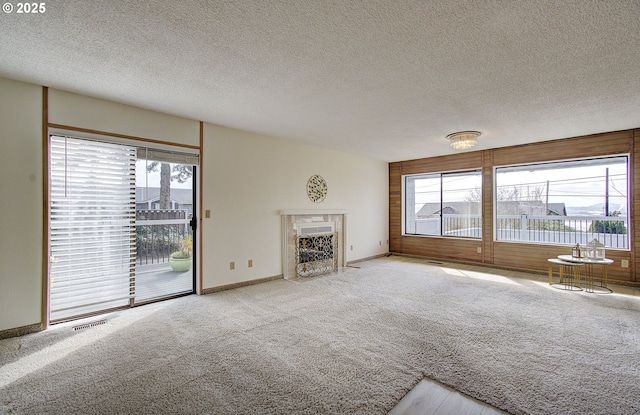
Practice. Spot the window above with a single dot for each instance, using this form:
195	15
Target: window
444	204
564	202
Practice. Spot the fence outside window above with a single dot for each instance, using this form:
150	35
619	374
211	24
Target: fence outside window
611	231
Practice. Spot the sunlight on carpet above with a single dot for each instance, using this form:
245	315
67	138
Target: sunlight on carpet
479	276
50	354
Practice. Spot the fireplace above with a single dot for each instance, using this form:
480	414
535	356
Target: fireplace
312	242
316	254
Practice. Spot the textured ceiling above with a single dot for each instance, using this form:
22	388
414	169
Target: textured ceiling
386	79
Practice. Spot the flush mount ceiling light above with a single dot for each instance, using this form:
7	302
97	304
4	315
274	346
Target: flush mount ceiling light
464	139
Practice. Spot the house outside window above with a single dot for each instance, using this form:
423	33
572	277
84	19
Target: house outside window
443	204
564	202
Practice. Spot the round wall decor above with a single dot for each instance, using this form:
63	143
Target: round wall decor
316	188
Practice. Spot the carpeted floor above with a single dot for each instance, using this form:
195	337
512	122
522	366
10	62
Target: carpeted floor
350	343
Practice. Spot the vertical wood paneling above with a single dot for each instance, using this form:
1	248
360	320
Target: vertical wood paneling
455	162
605	144
395	207
487	206
442	248
505	254
634	214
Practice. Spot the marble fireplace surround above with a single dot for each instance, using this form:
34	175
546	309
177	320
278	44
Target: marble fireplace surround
292	219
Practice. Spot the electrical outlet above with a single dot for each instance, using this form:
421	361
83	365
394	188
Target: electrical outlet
232	265
380	243
207	213
351	248
479	250
624	263
250	263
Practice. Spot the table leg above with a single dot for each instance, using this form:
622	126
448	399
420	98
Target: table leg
576	276
588	278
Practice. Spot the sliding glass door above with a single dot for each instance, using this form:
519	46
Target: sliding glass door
165	218
122	226
92	237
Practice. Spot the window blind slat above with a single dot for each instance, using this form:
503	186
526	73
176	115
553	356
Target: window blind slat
175	157
92	226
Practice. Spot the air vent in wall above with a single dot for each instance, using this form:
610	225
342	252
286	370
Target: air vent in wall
311	228
316	229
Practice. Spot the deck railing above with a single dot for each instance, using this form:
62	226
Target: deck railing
158	234
611	231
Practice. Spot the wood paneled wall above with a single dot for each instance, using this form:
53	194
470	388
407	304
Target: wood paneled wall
635	212
518	255
395	207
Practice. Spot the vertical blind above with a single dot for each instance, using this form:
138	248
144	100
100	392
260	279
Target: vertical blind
92	201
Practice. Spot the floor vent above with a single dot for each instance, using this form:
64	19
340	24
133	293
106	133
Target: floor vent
87	325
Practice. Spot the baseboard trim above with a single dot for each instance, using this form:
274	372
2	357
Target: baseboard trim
494	266
369	258
20	331
465	262
226	287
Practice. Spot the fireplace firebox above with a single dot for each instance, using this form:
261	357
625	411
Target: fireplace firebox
316	254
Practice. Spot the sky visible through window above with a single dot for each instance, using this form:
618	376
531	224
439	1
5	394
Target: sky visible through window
152	179
582	188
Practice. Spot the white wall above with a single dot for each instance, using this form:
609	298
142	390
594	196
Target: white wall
21	204
249	178
90	113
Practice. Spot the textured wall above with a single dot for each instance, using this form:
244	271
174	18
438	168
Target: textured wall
21	205
249	178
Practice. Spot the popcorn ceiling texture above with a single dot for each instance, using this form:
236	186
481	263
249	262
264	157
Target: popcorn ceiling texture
353	342
385	79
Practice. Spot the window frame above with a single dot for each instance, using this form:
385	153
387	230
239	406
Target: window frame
440	175
585	159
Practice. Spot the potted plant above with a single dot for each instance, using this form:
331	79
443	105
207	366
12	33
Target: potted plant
181	260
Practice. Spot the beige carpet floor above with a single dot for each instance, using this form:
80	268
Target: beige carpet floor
354	342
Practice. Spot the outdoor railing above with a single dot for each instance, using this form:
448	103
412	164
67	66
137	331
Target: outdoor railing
611	231
158	234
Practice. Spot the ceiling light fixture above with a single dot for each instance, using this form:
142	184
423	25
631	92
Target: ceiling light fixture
464	139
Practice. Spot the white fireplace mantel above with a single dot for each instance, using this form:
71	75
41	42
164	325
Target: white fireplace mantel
292	218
